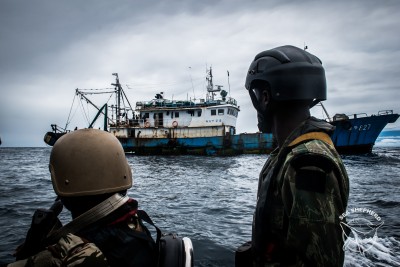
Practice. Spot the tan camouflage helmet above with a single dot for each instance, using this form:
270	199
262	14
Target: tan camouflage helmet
89	162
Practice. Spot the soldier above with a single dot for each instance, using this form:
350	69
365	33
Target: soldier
91	175
303	187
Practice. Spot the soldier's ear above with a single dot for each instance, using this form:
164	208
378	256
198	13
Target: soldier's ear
266	97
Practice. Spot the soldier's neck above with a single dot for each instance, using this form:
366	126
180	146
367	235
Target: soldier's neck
285	122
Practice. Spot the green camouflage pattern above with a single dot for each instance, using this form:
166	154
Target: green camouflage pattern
304	220
69	251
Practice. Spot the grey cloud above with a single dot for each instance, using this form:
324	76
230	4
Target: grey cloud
49	48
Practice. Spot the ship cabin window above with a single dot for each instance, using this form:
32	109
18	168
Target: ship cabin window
220	112
232	112
167	113
176	114
191	112
213	112
199	113
146	115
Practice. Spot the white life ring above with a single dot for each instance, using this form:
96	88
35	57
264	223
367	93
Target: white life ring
175	124
147	124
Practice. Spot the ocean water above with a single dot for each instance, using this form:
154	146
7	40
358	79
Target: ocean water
388	139
209	199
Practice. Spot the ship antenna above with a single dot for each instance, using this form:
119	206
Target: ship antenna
229	85
210	85
191	80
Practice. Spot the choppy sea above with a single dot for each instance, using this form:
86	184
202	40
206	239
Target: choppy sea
209	199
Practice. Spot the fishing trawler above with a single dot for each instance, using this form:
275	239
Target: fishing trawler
162	126
167	126
207	126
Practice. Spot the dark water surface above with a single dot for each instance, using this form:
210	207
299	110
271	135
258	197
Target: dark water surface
209	199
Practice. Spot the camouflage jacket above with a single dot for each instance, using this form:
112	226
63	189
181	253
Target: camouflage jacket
119	239
70	251
303	189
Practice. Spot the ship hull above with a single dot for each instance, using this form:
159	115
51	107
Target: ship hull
254	143
351	136
50	138
358	135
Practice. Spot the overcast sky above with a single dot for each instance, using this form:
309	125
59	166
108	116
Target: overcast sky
49	48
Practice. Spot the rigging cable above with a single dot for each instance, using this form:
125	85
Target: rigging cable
76	109
108	119
83	111
130	106
69	115
190	74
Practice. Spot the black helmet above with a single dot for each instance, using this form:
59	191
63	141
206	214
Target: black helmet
291	73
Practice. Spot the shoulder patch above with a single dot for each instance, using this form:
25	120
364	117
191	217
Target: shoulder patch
311	171
310	159
310	179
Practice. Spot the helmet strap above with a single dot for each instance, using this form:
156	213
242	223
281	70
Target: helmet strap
315	102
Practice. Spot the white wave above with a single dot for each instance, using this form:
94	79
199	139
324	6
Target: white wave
383	252
392	141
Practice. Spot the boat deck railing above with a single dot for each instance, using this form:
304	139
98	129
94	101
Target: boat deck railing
172	104
380	113
360	115
145	123
131	123
385	112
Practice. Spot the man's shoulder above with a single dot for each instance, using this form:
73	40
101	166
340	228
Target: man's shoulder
308	164
313	146
315	153
71	250
78	251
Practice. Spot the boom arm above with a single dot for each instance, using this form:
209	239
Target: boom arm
98	114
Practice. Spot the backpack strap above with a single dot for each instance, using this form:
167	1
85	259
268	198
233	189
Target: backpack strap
101	210
145	217
324	137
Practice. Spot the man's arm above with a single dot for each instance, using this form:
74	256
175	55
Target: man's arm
312	197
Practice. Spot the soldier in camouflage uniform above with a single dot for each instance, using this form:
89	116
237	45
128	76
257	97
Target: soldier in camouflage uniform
303	187
70	250
91	175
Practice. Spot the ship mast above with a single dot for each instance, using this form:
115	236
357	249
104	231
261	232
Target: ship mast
118	98
120	94
210	87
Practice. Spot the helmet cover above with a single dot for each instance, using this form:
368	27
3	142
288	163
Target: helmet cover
89	162
290	72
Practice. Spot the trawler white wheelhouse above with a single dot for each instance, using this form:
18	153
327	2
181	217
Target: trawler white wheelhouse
161	118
